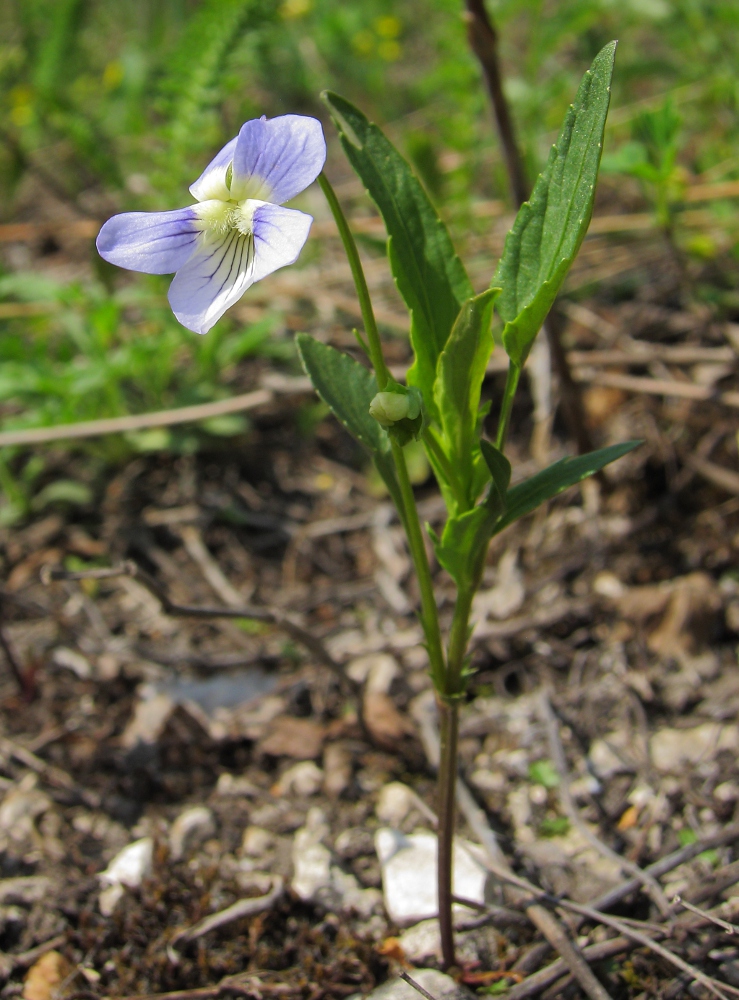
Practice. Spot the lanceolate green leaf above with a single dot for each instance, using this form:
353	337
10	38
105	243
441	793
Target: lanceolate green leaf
463	544
550	227
460	371
500	470
430	276
528	495
348	389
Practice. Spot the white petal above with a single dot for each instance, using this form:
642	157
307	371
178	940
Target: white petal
153	242
214	278
279	236
277	158
212	181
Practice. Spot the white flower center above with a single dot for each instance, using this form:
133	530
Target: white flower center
219	218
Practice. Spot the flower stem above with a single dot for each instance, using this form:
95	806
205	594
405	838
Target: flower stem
429	612
459	635
449	733
446	680
511	384
360	283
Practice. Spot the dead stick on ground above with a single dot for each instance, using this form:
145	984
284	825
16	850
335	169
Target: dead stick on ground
719	921
248	907
667	864
539	981
417	986
138	421
560	762
9	962
714	986
542	918
24	682
243	984
273	616
54	775
626	930
544	978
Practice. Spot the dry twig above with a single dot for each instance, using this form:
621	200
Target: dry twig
568	805
248	907
271	615
542	918
24	959
55	776
417	986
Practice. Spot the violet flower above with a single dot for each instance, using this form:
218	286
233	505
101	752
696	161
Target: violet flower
238	232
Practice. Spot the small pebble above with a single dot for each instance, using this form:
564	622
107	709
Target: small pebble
191	828
256	841
304	778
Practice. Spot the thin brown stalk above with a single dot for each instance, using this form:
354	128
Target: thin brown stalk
542	918
137	421
417	986
716	988
21	678
483	40
449	713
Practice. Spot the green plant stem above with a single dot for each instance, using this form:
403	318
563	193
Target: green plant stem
511	384
360	283
449	731
429	612
459	635
449	739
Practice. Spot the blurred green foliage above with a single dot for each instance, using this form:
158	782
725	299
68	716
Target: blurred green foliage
135	97
118	106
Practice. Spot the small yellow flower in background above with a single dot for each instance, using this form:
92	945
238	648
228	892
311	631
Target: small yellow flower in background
291	10
363	42
389	50
113	75
388	27
21	112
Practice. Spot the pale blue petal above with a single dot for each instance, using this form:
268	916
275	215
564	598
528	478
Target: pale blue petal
278	158
212	280
212	181
279	236
153	242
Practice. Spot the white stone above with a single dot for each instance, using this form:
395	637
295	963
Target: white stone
439	985
72	660
256	841
378	670
672	749
727	791
21	806
127	869
608	585
304	778
150	716
311	858
235	786
317	879
488	781
394	803
409	874
609	755
189	830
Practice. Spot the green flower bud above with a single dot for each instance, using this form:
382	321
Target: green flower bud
389	407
